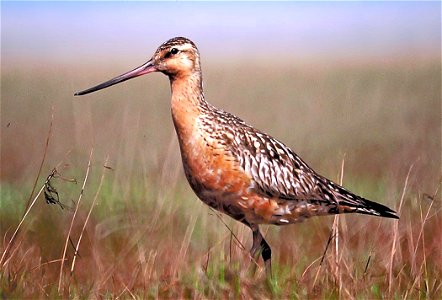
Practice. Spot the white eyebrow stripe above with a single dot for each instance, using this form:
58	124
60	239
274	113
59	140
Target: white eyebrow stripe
184	47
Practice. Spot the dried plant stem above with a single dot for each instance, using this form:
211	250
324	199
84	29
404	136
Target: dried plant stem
8	247
323	257
421	235
395	233
45	264
88	216
43	158
309	266
336	234
29	204
185	244
228	228
72	223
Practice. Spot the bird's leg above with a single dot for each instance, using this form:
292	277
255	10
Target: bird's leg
267	257
260	246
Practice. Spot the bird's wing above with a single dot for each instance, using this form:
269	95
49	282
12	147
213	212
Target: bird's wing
275	169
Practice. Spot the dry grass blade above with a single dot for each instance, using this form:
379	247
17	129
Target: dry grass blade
3	260
323	257
336	234
228	228
367	264
45	264
72	223
421	235
309	266
43	158
14	235
185	244
238	242
395	234
87	217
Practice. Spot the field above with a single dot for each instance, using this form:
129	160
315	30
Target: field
141	232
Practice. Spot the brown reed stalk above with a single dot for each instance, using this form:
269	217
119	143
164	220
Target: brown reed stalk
60	290
395	233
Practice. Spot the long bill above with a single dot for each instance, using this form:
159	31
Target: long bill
146	68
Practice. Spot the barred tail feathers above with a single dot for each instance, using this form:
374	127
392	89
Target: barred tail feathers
372	208
349	202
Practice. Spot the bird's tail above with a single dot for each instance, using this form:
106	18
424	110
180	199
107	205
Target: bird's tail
372	208
351	203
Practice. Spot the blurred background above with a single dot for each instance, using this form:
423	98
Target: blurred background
326	78
352	81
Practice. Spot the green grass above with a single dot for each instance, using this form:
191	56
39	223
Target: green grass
150	237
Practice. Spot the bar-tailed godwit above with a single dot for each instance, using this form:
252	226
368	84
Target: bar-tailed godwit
235	168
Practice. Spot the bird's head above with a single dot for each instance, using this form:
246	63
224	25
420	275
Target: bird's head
177	58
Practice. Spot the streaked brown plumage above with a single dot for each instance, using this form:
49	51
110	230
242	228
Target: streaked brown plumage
236	168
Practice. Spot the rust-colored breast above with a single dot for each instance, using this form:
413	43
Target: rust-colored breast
209	165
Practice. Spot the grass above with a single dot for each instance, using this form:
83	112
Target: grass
145	235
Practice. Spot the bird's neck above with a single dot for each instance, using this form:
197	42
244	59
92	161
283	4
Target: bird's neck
187	101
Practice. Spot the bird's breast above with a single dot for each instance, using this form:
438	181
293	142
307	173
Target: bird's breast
208	164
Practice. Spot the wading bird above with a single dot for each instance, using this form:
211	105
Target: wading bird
235	168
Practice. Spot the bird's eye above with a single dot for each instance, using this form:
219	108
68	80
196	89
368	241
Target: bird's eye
174	51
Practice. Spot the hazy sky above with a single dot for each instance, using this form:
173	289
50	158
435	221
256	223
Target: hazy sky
96	30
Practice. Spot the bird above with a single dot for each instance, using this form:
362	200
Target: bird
235	168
